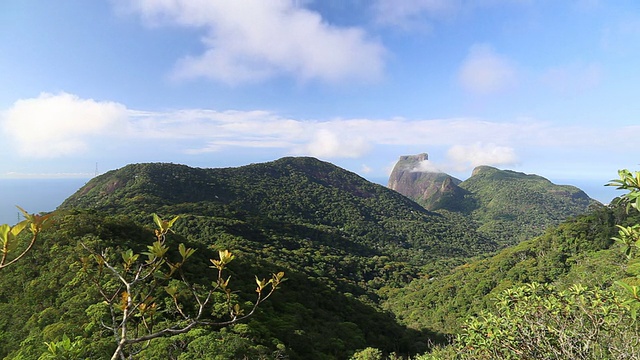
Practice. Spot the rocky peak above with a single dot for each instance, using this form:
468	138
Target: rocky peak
414	177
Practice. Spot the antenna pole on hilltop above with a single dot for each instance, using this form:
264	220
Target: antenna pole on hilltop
96	174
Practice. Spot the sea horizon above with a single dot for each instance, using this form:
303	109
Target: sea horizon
34	196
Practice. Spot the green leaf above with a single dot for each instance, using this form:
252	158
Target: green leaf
17	228
171	290
185	252
171	222
157	220
4	235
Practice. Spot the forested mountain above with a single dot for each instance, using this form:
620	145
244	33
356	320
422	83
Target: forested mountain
365	266
509	206
340	239
368	218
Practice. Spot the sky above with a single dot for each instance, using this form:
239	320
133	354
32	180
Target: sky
537	86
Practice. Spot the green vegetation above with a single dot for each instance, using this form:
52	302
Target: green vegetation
576	250
370	274
537	321
513	207
134	292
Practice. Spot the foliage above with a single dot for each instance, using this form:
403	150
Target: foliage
64	349
512	207
12	246
294	192
575	251
132	292
368	354
346	245
507	206
629	236
537	321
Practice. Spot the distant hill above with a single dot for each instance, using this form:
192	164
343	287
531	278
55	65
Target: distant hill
509	206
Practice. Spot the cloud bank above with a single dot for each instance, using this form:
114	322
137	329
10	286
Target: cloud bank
254	40
66	125
464	157
57	125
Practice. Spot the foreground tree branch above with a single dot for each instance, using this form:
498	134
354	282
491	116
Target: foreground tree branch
131	285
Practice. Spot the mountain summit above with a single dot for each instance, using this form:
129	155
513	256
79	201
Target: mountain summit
415	178
509	206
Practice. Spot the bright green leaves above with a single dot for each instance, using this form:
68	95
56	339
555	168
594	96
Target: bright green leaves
156	251
631	182
275	281
37	222
261	284
10	239
225	258
537	321
163	226
633	300
629	238
129	258
65	349
185	252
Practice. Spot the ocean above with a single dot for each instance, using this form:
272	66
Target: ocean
34	195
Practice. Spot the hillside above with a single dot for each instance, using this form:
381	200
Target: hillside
341	240
509	206
296	191
578	251
365	266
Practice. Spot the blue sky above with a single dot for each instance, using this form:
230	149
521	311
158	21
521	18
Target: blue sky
545	87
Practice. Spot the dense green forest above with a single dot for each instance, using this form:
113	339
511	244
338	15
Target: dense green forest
368	272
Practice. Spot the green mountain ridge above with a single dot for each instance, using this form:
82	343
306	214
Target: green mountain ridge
291	190
366	266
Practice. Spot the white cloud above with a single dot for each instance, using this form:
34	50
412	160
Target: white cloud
332	144
65	124
57	125
252	40
465	157
426	166
365	169
484	71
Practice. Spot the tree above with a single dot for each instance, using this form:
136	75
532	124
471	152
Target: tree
629	236
13	245
537	321
147	295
